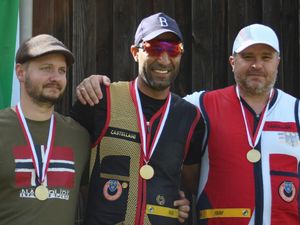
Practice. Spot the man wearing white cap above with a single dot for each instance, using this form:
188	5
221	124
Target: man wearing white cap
249	171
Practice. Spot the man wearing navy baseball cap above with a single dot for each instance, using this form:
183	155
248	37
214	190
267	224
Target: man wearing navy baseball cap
143	133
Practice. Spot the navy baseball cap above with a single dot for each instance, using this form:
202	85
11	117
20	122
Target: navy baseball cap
154	25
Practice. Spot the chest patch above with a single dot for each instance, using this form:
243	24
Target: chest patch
287	191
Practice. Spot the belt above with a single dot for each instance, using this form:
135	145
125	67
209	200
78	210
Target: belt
226	212
161	211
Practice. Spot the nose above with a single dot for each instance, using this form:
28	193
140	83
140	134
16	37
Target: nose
257	64
56	75
164	58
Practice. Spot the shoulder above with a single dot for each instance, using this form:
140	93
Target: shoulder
185	106
227	91
118	89
7	115
6	112
119	84
180	101
226	94
9	124
196	97
68	123
283	95
284	102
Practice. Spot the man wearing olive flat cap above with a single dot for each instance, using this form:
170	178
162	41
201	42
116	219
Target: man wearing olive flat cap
42	153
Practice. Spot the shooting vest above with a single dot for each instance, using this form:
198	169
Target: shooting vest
121	195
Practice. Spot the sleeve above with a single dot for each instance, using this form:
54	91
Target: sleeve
194	98
93	118
194	154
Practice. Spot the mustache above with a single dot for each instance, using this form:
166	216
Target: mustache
53	85
158	66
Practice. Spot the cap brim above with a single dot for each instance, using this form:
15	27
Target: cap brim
250	43
68	55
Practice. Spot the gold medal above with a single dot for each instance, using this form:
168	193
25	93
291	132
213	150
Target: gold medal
253	155
147	172
41	192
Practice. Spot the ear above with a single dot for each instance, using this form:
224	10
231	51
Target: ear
278	61
231	62
20	72
134	51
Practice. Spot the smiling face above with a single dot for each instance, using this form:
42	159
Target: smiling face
255	69
158	72
43	79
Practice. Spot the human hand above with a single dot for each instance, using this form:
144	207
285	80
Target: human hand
183	205
89	91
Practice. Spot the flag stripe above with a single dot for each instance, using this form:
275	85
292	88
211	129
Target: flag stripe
15	94
8	39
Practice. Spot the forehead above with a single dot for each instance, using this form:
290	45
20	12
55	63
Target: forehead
167	36
52	58
259	48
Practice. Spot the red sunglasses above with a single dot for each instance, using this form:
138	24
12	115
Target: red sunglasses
156	48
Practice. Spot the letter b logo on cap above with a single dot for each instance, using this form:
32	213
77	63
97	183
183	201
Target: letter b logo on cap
163	22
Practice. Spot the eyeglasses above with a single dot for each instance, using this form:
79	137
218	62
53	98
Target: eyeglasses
156	48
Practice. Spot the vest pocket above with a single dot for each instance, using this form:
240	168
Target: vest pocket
285	189
114	186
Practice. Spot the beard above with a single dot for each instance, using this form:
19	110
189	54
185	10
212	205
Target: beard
40	95
154	81
255	88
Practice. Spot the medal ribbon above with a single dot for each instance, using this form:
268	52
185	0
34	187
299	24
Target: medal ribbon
142	122
254	140
50	143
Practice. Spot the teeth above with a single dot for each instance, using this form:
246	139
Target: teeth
161	71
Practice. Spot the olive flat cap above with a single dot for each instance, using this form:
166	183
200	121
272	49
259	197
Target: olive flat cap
41	45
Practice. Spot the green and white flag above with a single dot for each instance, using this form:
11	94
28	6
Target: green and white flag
9	42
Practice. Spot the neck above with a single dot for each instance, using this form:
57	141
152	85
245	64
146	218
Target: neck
156	94
34	111
256	101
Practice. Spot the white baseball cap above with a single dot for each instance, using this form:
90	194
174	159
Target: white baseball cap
255	34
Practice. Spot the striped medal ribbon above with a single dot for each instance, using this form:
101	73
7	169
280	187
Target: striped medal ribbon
41	191
147	171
